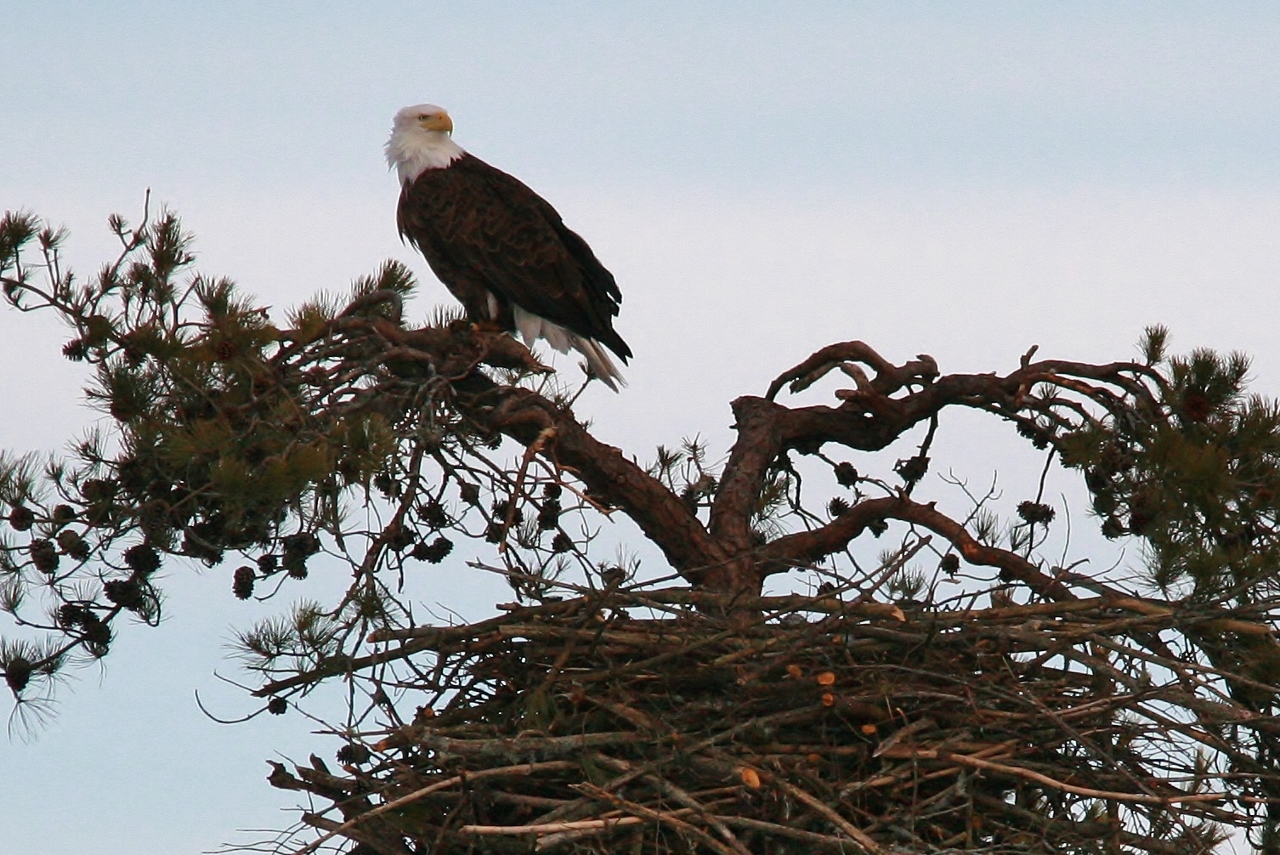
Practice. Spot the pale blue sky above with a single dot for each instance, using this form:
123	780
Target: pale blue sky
963	179
764	95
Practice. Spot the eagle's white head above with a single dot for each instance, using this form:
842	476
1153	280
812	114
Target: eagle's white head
420	140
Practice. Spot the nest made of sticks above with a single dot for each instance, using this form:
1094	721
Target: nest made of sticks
668	721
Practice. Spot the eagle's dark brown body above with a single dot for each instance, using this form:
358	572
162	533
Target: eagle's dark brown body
496	244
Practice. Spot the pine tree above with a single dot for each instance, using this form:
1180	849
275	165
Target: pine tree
961	690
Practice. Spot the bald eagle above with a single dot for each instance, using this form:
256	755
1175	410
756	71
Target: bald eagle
500	248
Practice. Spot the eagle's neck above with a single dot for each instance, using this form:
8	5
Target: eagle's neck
413	150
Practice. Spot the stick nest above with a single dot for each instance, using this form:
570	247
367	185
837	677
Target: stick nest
671	721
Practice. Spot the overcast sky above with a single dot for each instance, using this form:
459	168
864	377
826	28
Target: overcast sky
959	179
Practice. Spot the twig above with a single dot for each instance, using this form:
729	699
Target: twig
523	769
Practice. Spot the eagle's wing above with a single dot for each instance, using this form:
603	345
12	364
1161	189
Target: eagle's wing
481	228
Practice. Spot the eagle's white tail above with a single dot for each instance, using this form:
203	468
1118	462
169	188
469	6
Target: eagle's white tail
598	361
533	327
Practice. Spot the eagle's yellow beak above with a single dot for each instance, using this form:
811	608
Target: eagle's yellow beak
437	122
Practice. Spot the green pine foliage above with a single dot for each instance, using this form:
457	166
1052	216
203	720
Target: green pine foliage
229	435
1189	462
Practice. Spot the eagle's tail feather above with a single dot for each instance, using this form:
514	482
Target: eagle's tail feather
533	327
598	361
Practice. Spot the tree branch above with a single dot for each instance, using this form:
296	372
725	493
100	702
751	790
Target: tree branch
524	415
807	547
